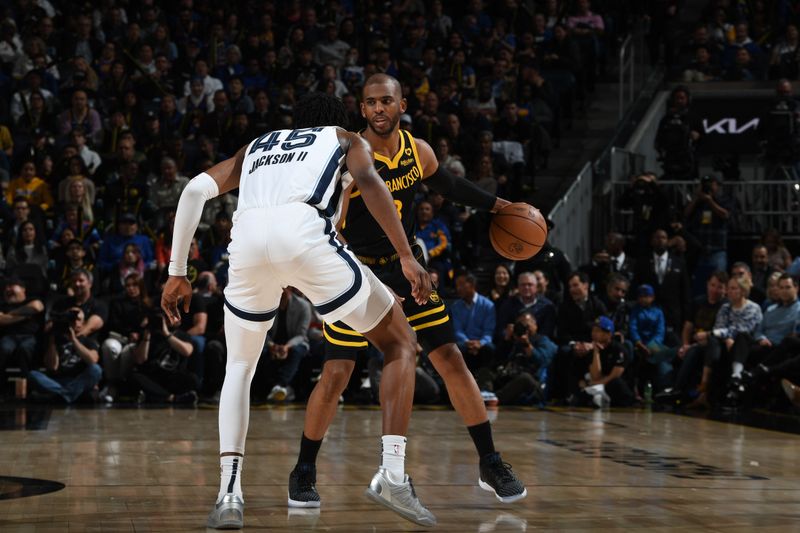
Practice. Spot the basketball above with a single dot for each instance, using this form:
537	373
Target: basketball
518	231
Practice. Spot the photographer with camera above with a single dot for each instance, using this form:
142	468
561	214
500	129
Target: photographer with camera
521	372
602	372
650	206
707	219
676	137
94	310
71	359
162	356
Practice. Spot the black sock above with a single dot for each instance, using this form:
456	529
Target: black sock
308	450
482	437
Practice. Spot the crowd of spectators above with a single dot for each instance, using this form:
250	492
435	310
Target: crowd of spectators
741	41
109	109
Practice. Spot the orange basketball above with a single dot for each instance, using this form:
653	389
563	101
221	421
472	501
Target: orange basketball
518	231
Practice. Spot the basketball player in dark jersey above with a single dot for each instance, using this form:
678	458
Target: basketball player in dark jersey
403	162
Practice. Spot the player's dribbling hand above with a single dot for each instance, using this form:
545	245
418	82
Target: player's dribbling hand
177	289
419	278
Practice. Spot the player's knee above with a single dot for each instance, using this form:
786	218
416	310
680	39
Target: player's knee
335	377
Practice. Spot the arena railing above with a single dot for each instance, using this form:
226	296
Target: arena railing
572	216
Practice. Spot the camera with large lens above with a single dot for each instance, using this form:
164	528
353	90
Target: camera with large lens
155	321
520	329
62	320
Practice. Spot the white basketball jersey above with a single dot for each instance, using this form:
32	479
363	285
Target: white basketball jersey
290	166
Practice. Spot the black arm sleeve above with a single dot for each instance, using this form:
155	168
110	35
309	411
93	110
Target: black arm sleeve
460	190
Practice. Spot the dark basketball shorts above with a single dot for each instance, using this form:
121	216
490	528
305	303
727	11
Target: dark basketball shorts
431	321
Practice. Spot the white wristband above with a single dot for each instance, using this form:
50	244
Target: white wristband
190	208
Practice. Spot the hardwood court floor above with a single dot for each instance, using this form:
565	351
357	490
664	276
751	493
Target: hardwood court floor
156	470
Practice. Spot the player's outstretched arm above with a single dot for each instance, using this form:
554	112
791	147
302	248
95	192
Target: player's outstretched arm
379	201
454	187
219	179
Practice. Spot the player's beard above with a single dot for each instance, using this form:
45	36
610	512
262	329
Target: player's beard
387	128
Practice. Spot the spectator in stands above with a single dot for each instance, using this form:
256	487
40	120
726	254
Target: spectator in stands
778	256
760	268
611	259
71	359
474	323
740	269
127	318
527	299
699	349
741	41
80	114
702	68
576	318
162	357
72	259
20	324
780	321
165	192
707	219
647	329
666	272
31	187
613	294
436	237
785	58
114	244
502	287
29	250
287	344
736	317
605	364
587	28
447	160
744	67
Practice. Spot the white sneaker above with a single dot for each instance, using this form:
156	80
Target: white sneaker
228	513
399	497
277	394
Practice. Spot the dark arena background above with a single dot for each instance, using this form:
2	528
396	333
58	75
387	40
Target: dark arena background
641	371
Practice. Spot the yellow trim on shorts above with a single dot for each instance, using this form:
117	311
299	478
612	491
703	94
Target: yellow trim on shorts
430	324
361	344
426	313
342	330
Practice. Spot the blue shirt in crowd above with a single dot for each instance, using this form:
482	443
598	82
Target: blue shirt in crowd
473	320
779	322
647	324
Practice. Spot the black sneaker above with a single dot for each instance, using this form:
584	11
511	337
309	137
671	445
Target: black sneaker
302	492
497	476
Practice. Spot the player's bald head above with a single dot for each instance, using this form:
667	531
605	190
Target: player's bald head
385	80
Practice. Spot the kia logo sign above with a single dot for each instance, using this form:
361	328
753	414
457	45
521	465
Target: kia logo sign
729	126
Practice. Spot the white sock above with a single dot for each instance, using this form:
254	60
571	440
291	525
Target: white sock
737	369
230	482
393	456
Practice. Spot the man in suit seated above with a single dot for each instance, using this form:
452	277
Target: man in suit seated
666	272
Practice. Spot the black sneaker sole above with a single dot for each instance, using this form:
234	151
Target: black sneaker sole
504	499
301	504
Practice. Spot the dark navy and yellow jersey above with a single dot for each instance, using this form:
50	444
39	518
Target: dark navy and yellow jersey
431	320
403	176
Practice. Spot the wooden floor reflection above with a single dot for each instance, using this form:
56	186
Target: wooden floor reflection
154	470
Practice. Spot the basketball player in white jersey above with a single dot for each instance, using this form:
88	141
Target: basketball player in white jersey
290	184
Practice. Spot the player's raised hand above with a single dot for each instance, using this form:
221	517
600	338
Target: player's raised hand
176	290
419	278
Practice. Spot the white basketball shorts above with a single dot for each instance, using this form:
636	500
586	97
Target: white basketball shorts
294	245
